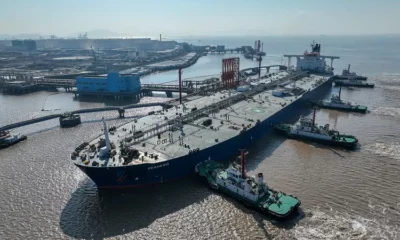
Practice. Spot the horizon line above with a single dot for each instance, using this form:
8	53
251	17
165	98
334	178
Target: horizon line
171	37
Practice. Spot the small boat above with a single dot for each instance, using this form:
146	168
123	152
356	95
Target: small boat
252	191
351	82
69	120
7	139
307	129
338	104
346	74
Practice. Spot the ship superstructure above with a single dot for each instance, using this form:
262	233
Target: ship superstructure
169	143
312	61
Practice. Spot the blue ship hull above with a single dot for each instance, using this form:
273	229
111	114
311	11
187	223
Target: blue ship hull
148	174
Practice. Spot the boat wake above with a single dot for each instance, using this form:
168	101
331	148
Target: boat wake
389	81
391	87
391	150
319	225
387	111
79	177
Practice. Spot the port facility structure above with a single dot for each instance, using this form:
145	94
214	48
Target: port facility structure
213	83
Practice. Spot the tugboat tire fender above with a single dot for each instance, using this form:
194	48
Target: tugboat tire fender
213	186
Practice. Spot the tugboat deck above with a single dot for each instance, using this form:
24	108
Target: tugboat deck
273	202
161	139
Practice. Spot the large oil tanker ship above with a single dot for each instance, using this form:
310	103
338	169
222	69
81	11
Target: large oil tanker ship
169	143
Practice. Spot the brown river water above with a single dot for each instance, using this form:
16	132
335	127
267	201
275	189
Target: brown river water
344	194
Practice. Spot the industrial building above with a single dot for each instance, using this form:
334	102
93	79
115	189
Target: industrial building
112	83
27	44
142	44
220	48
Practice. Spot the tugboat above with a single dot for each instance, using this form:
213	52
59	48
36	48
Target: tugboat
252	191
346	74
308	130
69	120
6	139
352	82
338	104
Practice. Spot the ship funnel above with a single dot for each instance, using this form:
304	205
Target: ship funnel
313	119
243	162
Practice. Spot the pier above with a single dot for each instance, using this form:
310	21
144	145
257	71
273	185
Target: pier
32	85
198	85
188	87
226	50
243	71
120	110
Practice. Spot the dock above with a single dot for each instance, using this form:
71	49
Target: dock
120	110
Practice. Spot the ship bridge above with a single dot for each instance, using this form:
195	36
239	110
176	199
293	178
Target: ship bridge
289	56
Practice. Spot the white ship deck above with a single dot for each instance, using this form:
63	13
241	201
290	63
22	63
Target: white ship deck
245	112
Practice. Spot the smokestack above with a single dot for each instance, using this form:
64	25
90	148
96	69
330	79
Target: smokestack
160	37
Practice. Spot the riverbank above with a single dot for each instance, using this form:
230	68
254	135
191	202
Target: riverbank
166	65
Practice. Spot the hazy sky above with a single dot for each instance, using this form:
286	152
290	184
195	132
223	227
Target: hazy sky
200	17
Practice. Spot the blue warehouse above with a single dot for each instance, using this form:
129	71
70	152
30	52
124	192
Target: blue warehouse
112	83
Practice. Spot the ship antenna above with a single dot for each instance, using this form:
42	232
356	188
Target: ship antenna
313	119
106	135
243	162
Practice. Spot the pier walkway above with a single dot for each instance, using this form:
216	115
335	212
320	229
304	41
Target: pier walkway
121	111
166	88
28	122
